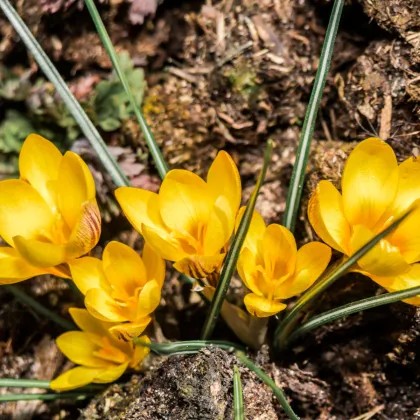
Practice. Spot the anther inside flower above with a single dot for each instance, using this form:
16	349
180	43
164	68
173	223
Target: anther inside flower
122	288
190	221
49	216
375	191
102	358
274	269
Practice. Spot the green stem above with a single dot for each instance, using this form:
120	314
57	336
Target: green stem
37	307
24	383
286	326
238	398
298	174
151	142
232	257
351	308
268	381
70	101
44	397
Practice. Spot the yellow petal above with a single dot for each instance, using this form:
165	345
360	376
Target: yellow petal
248	271
13	268
39	161
255	232
312	260
130	330
75	187
40	254
383	259
279	250
103	307
140	352
141	207
79	348
163	244
369	182
87	273
185	202
262	307
154	264
23	212
199	266
75	378
223	179
86	231
149	299
111	374
326	215
88	323
124	268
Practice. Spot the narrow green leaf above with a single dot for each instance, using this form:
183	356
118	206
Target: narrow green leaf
285	327
298	174
234	250
40	309
151	142
277	391
70	101
24	383
187	347
352	308
44	397
238	398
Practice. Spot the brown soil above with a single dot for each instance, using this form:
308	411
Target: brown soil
230	74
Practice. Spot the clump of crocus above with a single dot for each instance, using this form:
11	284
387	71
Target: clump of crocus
375	191
49	216
102	358
123	288
274	269
190	221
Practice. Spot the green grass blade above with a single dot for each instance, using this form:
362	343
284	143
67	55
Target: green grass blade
151	143
285	327
298	174
70	101
238	398
352	308
234	250
37	307
24	383
44	397
187	347
268	381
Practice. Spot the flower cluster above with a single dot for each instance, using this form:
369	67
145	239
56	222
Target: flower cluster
51	221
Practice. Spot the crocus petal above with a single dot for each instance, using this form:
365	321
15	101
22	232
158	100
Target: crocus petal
369	182
86	231
102	306
23	212
124	268
39	161
13	268
223	179
40	254
262	307
255	232
199	266
76	186
185	202
88	323
75	378
279	251
326	215
312	260
140	352
154	264
130	330
141	207
149	298
87	273
111	374
79	348
248	271
383	259
164	245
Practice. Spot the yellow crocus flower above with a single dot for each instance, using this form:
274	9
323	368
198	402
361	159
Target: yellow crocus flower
122	288
274	269
190	221
102	358
49	216
375	191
